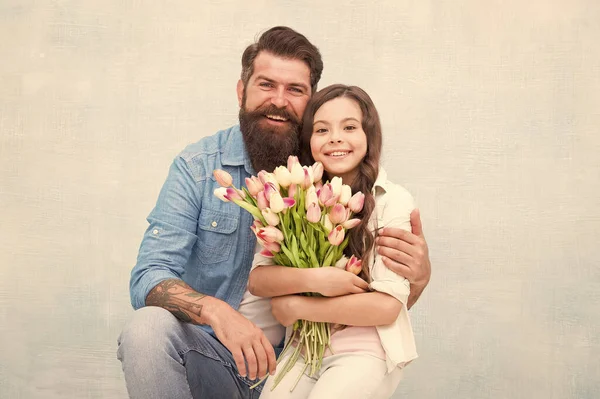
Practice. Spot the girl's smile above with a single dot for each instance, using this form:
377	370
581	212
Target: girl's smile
338	139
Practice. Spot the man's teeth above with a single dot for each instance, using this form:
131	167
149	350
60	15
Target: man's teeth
277	118
338	153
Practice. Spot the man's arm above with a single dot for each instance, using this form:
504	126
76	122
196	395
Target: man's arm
238	334
407	254
182	301
156	278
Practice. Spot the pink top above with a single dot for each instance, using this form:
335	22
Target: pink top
356	339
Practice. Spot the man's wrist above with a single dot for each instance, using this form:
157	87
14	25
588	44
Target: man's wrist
419	286
213	310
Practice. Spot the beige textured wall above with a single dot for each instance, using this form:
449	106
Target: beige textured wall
490	111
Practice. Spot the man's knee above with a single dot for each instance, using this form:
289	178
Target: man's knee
150	327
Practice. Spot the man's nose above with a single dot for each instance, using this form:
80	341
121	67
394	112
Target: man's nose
279	100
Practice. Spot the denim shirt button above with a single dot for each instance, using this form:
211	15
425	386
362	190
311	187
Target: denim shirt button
155	231
214	224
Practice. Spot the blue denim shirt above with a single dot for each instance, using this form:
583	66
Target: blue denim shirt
194	236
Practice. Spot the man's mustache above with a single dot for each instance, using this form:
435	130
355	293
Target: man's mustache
275	111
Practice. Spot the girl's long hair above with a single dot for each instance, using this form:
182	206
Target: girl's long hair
362	239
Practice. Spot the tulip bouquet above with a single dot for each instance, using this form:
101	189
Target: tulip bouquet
299	222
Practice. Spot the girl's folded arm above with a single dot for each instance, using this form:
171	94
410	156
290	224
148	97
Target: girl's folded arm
274	280
368	309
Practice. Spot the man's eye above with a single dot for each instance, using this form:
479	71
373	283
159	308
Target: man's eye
296	90
265	84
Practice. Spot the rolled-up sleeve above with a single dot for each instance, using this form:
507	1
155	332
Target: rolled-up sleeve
171	234
397	339
261	260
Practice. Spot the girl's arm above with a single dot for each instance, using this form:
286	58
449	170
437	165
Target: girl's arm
274	280
368	309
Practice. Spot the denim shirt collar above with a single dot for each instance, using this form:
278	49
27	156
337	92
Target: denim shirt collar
234	153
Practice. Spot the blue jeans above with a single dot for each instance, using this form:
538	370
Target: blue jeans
165	358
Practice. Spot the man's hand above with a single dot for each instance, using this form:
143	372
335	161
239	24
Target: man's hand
285	308
406	253
332	281
245	341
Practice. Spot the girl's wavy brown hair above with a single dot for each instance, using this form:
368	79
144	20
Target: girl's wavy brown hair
362	239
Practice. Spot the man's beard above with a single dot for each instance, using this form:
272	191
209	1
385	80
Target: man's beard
268	146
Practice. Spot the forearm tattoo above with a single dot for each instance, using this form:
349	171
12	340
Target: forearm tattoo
178	298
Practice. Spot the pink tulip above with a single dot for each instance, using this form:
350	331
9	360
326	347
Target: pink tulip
354	265
292	159
311	197
261	176
221	193
337	214
351	223
336	186
297	174
271	217
307	178
317	171
292	190
266	178
270	234
233	194
318	185
223	178
313	213
270	189
261	201
272	247
283	176
289	202
253	185
345	195
266	253
336	236
276	202
326	195
341	264
356	202
257	225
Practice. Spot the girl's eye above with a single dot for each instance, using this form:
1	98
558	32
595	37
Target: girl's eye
321	130
350	127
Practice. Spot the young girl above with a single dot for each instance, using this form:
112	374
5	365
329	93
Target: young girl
342	130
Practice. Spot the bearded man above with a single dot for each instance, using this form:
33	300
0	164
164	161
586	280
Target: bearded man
197	331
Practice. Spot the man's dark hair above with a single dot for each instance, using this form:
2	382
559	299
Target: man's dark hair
284	42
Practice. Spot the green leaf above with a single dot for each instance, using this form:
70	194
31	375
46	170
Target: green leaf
298	224
303	242
295	251
289	255
313	257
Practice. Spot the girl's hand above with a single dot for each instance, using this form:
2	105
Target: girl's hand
286	309
332	281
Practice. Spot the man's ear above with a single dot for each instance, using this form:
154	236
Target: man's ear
240	92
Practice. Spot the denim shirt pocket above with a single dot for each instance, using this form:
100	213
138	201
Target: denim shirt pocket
215	238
